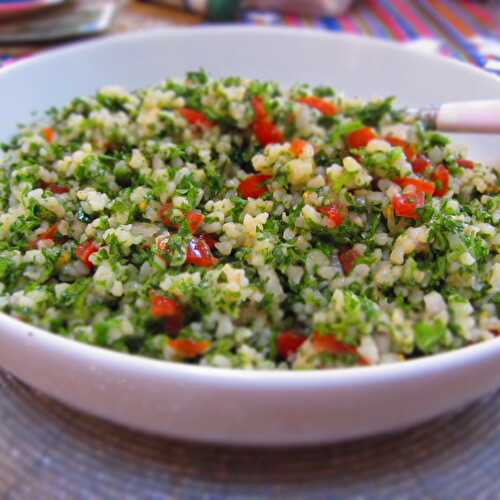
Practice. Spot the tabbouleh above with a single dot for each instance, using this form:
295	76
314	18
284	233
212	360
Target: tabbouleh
233	223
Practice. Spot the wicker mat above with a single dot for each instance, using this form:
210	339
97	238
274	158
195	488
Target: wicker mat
50	451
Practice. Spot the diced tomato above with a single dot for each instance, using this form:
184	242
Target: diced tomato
56	188
467	164
188	348
164	213
85	250
175	323
195	220
163	307
196	118
420	163
265	130
288	342
162	244
209	239
259	108
268	133
409	149
326	107
199	254
168	309
252	186
441	176
297	147
361	137
420	185
335	214
405	205
49	134
348	258
48	234
328	343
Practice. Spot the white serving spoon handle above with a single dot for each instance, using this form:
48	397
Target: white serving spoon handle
471	116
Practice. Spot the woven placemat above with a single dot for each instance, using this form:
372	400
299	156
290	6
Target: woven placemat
50	451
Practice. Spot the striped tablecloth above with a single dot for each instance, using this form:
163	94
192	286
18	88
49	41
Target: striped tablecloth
466	30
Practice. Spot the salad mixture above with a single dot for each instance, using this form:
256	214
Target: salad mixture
234	223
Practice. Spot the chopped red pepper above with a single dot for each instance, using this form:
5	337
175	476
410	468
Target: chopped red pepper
48	234
252	186
259	108
165	215
209	239
163	307
348	259
170	310
467	164
441	176
85	250
410	150
56	188
199	254
268	133
405	205
326	107
265	130
175	323
194	218
297	147
188	348
328	343
420	163
420	185
49	134
196	118
361	137
288	342
335	214
162	244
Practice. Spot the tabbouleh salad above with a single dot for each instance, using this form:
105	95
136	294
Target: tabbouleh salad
234	223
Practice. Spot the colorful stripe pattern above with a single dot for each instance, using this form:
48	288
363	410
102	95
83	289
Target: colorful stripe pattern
464	29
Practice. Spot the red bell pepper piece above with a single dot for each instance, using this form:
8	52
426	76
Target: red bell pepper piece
253	186
326	107
361	137
289	342
85	250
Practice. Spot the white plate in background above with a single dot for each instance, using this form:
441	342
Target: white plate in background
11	9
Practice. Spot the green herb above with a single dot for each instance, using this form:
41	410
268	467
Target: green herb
429	336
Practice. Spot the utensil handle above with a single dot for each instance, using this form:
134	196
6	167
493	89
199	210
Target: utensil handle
472	116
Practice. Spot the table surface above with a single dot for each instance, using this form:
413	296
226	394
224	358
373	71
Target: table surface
132	16
50	451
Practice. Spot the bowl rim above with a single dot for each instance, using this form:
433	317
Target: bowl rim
264	378
222	29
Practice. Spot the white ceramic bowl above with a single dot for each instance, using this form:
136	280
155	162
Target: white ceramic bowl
235	406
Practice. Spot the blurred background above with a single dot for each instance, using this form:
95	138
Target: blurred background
465	29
